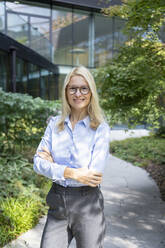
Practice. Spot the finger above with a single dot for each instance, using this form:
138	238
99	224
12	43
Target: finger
41	155
96	178
97	174
50	159
45	156
92	184
45	149
43	152
96	182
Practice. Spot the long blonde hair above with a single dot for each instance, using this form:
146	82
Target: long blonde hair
94	111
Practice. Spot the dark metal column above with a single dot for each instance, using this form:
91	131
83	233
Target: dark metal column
113	35
13	67
29	30
91	41
50	34
72	35
5	30
40	88
56	80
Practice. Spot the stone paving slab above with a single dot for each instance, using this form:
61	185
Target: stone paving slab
134	210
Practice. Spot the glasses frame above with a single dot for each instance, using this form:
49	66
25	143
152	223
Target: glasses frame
80	90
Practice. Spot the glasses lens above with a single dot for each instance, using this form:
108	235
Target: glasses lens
72	91
84	90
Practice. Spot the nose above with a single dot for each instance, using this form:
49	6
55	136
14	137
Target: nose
78	93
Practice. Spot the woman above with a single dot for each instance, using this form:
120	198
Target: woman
73	153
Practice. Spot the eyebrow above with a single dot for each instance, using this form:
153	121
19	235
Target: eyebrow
75	86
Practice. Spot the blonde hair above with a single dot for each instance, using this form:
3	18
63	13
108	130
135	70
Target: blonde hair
94	111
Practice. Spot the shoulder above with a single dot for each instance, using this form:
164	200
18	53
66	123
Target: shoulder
103	130
103	126
53	120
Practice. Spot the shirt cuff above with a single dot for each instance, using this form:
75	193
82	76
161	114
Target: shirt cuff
59	175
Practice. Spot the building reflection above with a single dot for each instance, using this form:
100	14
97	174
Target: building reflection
62	36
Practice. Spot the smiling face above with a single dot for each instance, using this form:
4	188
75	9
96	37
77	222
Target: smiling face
78	101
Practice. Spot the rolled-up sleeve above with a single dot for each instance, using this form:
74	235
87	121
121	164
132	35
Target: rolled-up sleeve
44	167
100	152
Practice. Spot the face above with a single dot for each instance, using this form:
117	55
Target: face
78	101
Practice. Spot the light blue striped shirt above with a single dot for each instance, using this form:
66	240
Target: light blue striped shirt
80	147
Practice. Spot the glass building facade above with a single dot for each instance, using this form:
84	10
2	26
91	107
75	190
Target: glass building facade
63	36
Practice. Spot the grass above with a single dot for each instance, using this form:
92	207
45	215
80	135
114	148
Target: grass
140	151
18	215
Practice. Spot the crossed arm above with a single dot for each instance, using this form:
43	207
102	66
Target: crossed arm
82	175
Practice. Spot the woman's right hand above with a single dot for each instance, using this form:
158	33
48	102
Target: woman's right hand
45	154
84	176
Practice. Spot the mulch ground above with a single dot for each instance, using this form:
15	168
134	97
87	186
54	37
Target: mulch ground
157	172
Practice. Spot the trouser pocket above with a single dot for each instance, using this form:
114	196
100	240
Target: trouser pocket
100	199
56	203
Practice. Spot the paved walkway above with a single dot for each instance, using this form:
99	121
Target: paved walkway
135	214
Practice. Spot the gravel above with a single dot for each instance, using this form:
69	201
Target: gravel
157	172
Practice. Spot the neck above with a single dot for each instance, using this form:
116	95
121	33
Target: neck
78	115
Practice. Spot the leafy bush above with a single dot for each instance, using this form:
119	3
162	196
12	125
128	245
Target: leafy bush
16	173
140	151
17	216
132	86
22	192
23	119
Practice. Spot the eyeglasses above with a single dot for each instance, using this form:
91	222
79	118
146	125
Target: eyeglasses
83	90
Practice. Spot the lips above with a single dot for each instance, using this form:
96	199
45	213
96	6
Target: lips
78	100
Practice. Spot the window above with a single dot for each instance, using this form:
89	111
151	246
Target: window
80	48
4	71
62	36
34	80
21	76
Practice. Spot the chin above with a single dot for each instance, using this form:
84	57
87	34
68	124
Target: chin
79	107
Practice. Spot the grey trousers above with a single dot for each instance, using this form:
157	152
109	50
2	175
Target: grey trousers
74	212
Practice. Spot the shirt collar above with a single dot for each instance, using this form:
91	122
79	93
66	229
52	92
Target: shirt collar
85	121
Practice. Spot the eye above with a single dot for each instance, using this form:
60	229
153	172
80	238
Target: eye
72	88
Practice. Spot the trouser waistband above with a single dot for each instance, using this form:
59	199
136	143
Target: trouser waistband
60	188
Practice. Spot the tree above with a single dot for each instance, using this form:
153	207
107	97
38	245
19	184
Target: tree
132	86
139	13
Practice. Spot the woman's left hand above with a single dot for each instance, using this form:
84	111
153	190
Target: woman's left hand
45	154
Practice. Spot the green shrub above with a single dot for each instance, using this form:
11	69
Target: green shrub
17	216
22	191
140	151
22	196
23	119
16	175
